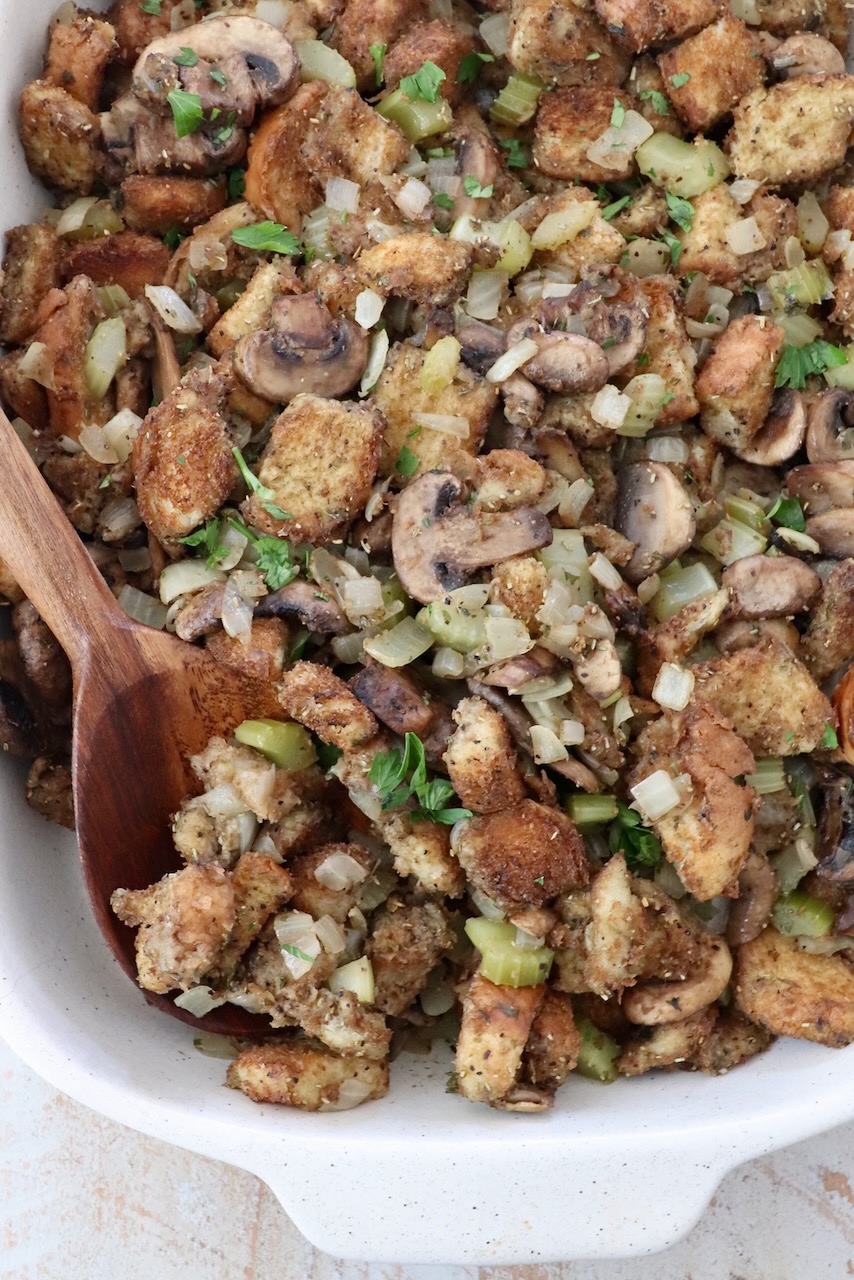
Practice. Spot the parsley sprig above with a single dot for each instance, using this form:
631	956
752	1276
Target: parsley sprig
470	65
208	537
266	237
402	775
799	363
789	513
424	84
273	556
680	211
640	846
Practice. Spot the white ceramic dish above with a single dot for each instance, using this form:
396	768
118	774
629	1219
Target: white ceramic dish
421	1177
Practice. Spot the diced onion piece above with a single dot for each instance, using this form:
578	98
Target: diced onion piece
135	559
350	1093
574	500
604	572
747	11
612	147
295	933
507	638
247	830
813	225
743	190
93	441
517	101
237	612
622	711
546	745
799	540
546	687
529	287
666	449
556	228
118	519
376	361
349	649
172	309
512	359
495	33
610	406
319	61
37	364
142	608
198	1001
223	801
656	795
342	195
526	941
185	576
358	977
485	292
448	664
793	252
121	431
838	244
438	996
362	598
369	308
717	319
401	645
330	935
646	392
413	197
340	871
440	367
448	424
571	733
315	232
673	686
730	540
745	236
74	216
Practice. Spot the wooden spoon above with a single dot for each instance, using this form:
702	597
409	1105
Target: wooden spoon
143	703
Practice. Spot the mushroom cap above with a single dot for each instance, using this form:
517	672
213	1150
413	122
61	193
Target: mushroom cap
834	532
830	426
655	512
300	599
310	350
835	840
781	434
769	586
821	486
566	362
805	54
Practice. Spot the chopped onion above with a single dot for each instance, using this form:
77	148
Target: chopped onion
604	572
571	733
135	559
800	541
656	795
369	308
448	664
622	711
362	598
743	190
340	871
485	292
172	309
142	608
488	909
512	359
319	61
646	392
237	611
666	449
545	687
557	602
342	195
529	287
206	255
573	499
349	649
748	11
121	431
37	363
331	935
74	216
506	638
612	147
378	231
556	228
295	930
793	252
91	438
376	361
438	996
551	289
413	197
247	830
358	977
745	236
209	1043
448	424
186	576
315	232
198	1001
717	319
223	801
646	257
119	517
495	33
546	745
401	645
609	406
673	686
351	1093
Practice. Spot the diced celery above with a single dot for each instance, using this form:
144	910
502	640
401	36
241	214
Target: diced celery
747	512
769	776
417	119
440	365
229	293
680	587
284	743
453	627
504	963
393	593
598	1053
798	914
101	219
514	243
113	298
683	168
801	286
790	865
731	540
517	101
590	810
799	328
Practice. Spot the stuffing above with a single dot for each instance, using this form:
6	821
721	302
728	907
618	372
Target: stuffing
793	132
406	943
278	184
638	24
30	271
424	268
297	1074
158	203
562	42
440	42
78	55
346	138
311	895
262	656
668	349
793	993
481	761
568	122
128	259
61	137
253	309
719	65
340	1022
317	698
422	850
736	384
261	888
373	22
495	1026
828	641
705	247
551	1050
669	1045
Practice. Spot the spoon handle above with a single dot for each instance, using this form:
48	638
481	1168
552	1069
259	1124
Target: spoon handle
46	557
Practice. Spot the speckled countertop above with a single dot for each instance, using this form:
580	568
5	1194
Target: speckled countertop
82	1198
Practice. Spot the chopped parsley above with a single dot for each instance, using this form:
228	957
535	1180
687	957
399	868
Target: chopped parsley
150	6
186	111
250	479
273	556
224	134
402	775
829	739
424	85
593	57
681	211
673	244
798	363
472	188
616	206
378	53
218	77
266	237
173	237
618	114
640	846
681	79
660	103
517	156
236	179
442	200
470	65
207	536
789	513
407	462
186	58
300	955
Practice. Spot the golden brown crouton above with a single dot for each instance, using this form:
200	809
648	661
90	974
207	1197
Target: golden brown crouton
346	138
520	584
340	1022
426	268
769	696
421	849
441	42
794	993
481	761
786	17
262	657
295	1074
736	384
261	888
77	57
184	920
400	397
65	333
182	461
209	256
673	1044
316	697
278	183
669	349
568	121
128	259
645	215
508	479
705	247
253	309
136	27
732	1040
49	791
61	137
638	24
843	302
555	40
647	82
675	639
158	203
828	642
522	856
839	208
311	895
496	1022
722	63
792	132
320	463
597	244
30	270
615	940
406	942
377	22
553	1042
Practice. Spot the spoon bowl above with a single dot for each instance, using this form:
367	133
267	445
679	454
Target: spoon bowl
144	702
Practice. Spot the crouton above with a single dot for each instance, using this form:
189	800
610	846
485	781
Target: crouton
183	921
673	1044
311	895
732	1040
568	121
562	41
156	204
261	888
523	855
373	22
520	585
400	398
839	208
551	1051
65	333
253	309
337	284
295	1074
319	463
645	215
793	132
675	639
182	461
495	1025
30	270
671	354
265	790
422	849
263	657
508	479
638	24
649	85
828	641
340	1022
49	791
60	136
128	258
794	993
736	384
316	697
719	66
77	57
843	302
617	931
346	138
598	244
705	247
209	256
441	42
278	183
428	269
788	17
406	943
481	760
136	27
77	482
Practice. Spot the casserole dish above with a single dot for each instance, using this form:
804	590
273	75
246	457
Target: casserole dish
418	1177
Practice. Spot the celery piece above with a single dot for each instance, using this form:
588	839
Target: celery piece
502	962
682	586
417	119
517	101
769	776
747	512
284	743
731	540
598	1053
453	627
801	286
798	914
683	168
590	810
393	593
514	242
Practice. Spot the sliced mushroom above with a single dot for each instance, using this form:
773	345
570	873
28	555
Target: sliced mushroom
158	149
834	532
830	427
822	486
476	159
769	586
394	698
781	434
655	512
513	673
843	702
523	402
437	542
565	362
806	54
732	636
202	614
167	370
654	1003
480	345
309	350
757	893
835	839
620	330
304	601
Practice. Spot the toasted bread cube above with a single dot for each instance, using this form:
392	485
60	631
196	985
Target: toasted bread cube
843	302
647	82
278	183
597	244
638	24
421	849
135	27
30	270
60	137
128	259
441	42
406	943
495	1026
520	584
261	888
310	895
787	17
723	62
481	759
346	138
839	208
568	121
554	39
829	639
77	57
367	22
705	247
253	309
794	993
793	132
263	657
316	697
295	1074
508	479
736	384
428	269
673	1044
670	352
551	1051
732	1040
156	204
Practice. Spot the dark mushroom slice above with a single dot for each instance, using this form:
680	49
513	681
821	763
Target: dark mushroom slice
769	587
834	532
781	434
394	698
806	54
158	149
202	614
309	350
480	345
821	486
757	893
437	542
830	426
565	362
732	636
43	660
476	159
303	601
523	402
835	836
513	673
620	330
655	512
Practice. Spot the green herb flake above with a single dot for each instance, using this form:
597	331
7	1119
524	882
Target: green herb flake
681	79
640	846
680	211
673	244
789	513
266	237
250	479
327	754
150	6
660	103
616	206
407	462
186	111
798	363
182	461
643	360
186	57
224	134
517	156
829	739
218	77
173	238
273	556
442	200
593	57
300	955
424	85
276	512
378	53
470	65
618	114
236	179
207	537
105	483
401	776
472	188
